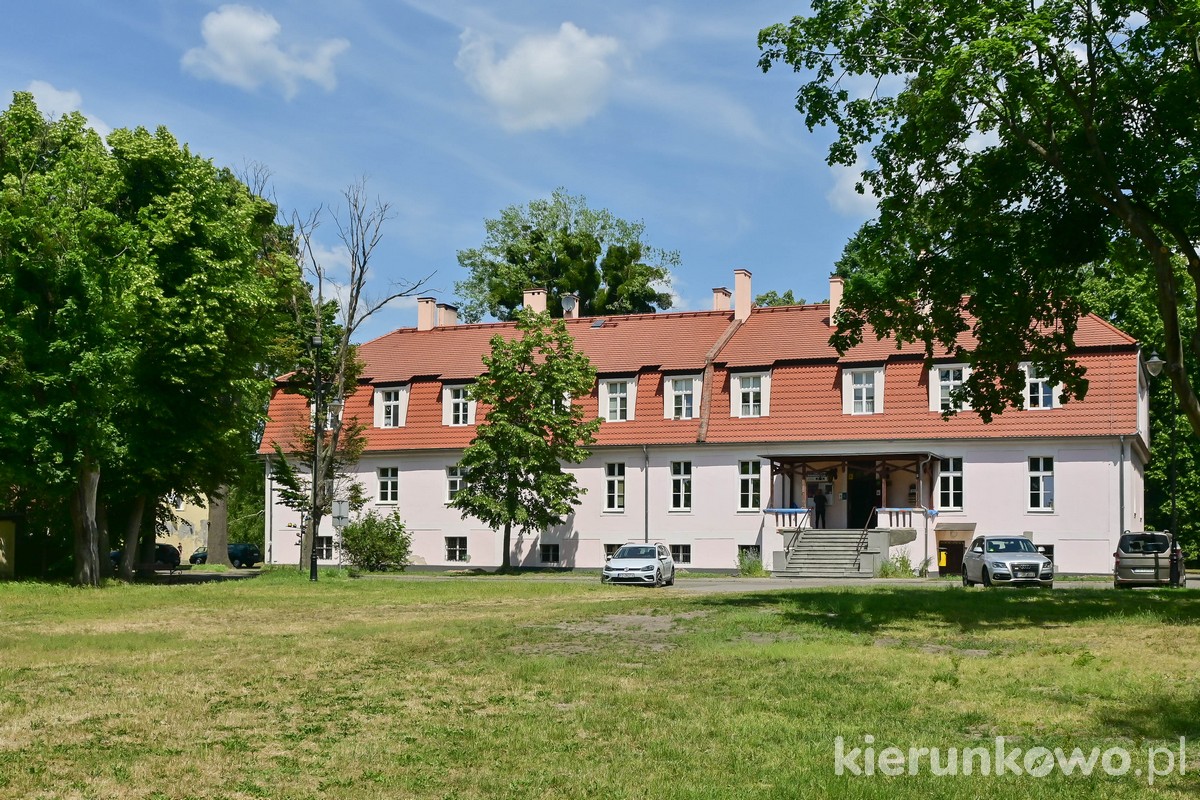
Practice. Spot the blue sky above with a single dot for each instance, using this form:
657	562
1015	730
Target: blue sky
455	110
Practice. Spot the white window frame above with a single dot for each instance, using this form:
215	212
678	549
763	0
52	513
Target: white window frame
1032	378
389	485
950	483
391	406
849	389
323	546
939	389
738	406
606	387
681	486
750	485
312	415
455	481
1041	484
614	487
542	550
450	404
670	392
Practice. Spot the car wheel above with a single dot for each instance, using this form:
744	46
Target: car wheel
966	581
672	581
658	579
987	579
237	564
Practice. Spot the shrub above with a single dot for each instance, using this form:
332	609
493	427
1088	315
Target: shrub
750	563
898	566
376	544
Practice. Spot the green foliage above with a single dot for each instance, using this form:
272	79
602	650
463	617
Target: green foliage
513	467
377	544
750	564
1012	145
774	298
898	566
564	246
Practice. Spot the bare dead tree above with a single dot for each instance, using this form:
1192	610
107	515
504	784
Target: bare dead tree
359	222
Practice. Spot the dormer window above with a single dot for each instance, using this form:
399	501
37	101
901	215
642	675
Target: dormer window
617	399
1040	393
944	380
458	409
862	391
391	406
681	397
750	394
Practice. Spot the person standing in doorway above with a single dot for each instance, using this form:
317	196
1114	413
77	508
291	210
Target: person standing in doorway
819	501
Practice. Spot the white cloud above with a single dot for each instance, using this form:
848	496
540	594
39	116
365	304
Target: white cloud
845	198
545	81
57	102
240	49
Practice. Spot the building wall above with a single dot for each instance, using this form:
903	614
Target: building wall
1082	527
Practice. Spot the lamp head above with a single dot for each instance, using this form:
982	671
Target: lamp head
1154	364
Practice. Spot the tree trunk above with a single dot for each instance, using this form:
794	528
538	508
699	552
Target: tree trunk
83	523
133	528
306	544
147	539
506	563
103	540
218	527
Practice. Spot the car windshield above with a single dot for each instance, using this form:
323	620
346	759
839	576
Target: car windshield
637	552
1013	545
1145	543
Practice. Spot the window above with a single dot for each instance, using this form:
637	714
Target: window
611	550
1039	392
749	395
950	485
616	401
1041	483
749	485
681	486
324	548
942	384
681	553
454	482
549	553
457	406
862	391
391	407
614	488
456	548
682	397
389	484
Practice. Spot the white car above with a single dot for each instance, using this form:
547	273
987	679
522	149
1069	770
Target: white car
992	560
640	563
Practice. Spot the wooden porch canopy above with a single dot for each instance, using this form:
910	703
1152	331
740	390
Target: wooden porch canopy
920	464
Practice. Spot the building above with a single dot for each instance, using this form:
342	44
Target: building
712	417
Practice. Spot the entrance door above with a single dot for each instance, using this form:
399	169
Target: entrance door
953	552
862	495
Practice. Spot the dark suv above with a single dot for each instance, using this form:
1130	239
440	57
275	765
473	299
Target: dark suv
166	556
241	554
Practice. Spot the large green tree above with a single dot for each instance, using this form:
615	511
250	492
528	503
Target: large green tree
513	469
564	246
1011	145
137	299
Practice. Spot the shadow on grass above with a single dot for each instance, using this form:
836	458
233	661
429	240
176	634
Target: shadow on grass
969	611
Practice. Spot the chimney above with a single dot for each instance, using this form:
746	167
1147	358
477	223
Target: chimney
741	294
721	298
535	299
426	313
835	296
570	305
447	315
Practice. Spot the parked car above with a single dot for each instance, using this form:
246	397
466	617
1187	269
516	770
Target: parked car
1144	558
166	556
241	554
1006	559
644	564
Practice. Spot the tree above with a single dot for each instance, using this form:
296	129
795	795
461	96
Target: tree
331	352
376	543
513	468
774	298
564	246
1013	144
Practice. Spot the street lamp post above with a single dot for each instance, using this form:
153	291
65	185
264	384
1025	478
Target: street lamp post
318	432
1154	365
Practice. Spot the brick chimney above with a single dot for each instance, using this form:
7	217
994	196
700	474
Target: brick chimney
535	299
447	315
570	305
741	294
835	296
721	297
426	313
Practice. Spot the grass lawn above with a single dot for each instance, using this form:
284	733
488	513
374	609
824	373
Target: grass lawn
470	688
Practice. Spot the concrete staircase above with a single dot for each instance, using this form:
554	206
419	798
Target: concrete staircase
825	553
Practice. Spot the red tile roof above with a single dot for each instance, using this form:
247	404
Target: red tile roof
805	395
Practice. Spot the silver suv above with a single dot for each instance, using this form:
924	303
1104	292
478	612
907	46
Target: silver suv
1144	558
1006	559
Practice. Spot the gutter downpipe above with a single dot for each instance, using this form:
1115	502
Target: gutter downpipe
921	498
645	494
1121	485
268	518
